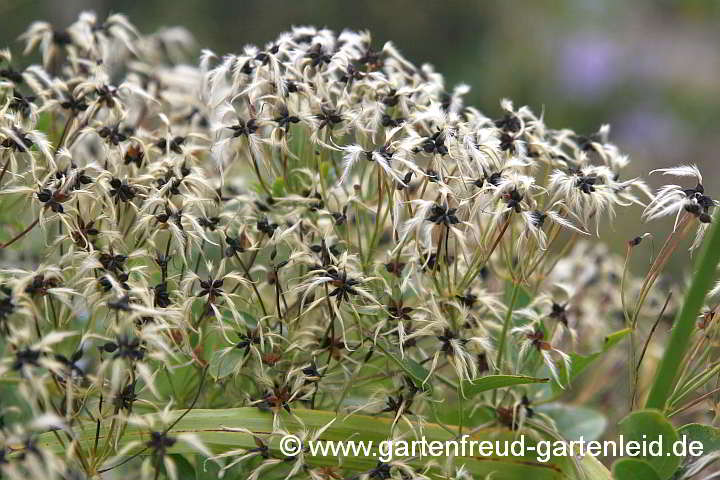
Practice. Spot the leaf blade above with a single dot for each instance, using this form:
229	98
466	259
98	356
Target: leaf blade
650	426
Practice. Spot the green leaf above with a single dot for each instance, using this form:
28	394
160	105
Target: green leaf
574	422
278	188
579	363
325	169
633	469
250	320
708	436
43	125
184	468
204	424
223	362
175	381
523	298
651	426
417	373
473	415
492	382
205	470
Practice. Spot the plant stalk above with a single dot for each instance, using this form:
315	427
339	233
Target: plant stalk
684	325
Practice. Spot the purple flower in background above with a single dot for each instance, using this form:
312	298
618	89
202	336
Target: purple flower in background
650	132
589	64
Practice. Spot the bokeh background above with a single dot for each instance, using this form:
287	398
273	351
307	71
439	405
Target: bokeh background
650	68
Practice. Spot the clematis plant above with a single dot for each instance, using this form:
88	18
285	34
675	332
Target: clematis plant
318	237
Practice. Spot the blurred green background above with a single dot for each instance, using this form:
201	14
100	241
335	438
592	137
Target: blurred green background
649	68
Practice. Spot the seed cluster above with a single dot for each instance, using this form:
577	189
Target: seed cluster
290	222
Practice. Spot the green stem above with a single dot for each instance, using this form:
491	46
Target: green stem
506	327
258	174
681	335
246	270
